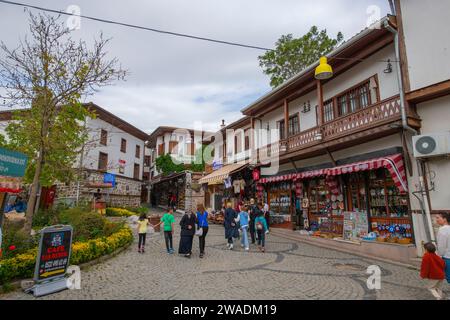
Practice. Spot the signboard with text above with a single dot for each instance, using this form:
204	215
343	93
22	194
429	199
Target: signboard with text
12	163
54	253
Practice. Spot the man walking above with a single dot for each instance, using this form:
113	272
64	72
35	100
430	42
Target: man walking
253	214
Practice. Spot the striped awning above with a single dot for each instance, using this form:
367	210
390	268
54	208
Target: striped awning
394	164
221	174
10	184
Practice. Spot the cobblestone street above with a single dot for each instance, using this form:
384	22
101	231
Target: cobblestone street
288	270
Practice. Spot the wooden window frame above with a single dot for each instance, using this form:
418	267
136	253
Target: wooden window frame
100	168
173	147
103	137
161	150
138	151
280	125
123	145
136	165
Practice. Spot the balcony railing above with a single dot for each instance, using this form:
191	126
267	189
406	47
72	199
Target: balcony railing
384	112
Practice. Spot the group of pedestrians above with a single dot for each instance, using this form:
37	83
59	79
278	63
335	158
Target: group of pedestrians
436	260
190	225
250	218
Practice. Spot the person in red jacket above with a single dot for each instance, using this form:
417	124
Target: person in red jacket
432	270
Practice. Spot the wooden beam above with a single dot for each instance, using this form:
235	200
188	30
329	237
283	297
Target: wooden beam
402	47
429	93
319	102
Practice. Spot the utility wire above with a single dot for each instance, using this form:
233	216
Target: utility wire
177	34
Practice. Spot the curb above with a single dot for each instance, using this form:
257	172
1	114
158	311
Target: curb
293	237
16	285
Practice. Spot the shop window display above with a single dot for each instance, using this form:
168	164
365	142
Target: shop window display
280	203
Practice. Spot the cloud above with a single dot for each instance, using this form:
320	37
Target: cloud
175	81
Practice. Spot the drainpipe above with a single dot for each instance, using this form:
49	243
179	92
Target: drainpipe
405	126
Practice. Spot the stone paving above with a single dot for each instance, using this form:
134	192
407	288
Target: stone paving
288	270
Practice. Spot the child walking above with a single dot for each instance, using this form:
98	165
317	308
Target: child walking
261	229
243	219
432	270
168	222
142	232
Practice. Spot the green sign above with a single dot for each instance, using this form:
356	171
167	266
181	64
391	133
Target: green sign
12	164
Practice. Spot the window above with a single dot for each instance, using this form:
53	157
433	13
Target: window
354	99
103	161
281	129
328	112
173	147
161	149
103	137
294	126
147	161
136	171
190	149
247	140
123	145
138	151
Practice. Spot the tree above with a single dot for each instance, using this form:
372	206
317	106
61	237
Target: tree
166	166
49	74
292	55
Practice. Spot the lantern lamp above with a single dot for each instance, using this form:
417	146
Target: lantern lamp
323	70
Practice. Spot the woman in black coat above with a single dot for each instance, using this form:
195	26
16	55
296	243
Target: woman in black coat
231	230
187	224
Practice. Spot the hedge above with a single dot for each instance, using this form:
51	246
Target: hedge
22	266
119	212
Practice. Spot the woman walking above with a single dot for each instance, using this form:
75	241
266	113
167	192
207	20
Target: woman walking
187	224
243	219
230	225
202	222
261	229
443	241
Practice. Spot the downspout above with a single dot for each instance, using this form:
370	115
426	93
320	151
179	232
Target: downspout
405	126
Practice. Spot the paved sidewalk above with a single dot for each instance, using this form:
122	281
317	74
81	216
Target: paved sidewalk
288	270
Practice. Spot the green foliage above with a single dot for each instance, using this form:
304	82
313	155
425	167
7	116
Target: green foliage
165	164
61	145
292	55
14	236
86	225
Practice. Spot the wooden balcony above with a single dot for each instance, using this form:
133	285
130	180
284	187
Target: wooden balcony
362	123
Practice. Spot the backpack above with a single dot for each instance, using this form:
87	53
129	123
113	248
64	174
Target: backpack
259	225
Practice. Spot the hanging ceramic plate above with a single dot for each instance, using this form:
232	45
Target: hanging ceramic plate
340	198
333	198
373	192
334	205
382	192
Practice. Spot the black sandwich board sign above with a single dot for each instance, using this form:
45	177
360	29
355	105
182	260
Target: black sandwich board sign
53	259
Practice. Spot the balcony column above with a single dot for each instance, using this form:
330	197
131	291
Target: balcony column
286	119
319	103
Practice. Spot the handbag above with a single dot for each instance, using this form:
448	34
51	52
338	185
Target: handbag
199	232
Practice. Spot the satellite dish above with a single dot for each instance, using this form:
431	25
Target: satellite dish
426	145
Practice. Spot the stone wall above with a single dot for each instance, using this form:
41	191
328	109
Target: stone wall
126	193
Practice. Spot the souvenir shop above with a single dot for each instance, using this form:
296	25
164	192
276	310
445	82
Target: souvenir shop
164	188
234	183
358	201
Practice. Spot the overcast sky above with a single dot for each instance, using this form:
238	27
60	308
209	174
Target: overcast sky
175	81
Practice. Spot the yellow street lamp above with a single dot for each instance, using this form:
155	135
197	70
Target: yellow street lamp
323	70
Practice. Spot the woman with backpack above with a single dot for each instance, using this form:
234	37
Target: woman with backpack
261	228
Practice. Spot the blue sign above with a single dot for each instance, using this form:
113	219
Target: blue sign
110	178
216	165
12	164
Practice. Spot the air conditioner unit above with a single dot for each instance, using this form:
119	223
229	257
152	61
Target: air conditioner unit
431	145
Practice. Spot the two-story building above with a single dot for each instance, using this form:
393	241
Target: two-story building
424	52
179	189
115	147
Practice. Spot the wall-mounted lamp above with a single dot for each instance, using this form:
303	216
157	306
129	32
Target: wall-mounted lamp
389	67
306	107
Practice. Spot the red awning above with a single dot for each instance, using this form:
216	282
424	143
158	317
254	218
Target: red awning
394	164
10	184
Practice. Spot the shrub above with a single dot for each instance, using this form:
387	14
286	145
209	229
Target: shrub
119	212
22	265
14	236
86	225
